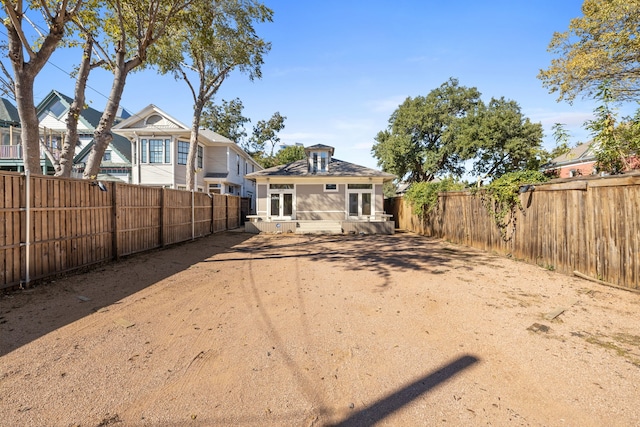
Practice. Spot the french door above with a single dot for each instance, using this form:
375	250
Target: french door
359	204
281	205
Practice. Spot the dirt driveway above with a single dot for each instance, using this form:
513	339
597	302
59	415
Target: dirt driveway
402	330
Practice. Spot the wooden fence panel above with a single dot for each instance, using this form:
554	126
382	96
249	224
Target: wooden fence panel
592	227
233	212
203	214
219	212
74	223
70	225
138	218
11	230
177	216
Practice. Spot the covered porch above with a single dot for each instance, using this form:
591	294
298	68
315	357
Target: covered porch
382	224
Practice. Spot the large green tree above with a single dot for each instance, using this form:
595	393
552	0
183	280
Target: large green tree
421	139
226	119
599	47
215	38
500	139
127	35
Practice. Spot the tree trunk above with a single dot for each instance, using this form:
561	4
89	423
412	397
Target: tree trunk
24	76
193	144
30	132
72	140
102	136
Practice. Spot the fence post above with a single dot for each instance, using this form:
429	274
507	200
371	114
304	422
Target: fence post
114	219
226	212
27	278
212	226
193	214
161	218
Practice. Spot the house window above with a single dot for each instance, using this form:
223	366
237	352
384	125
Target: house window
155	151
167	151
360	186
215	188
200	156
153	119
183	152
238	163
319	161
281	186
57	108
246	168
107	156
143	151
331	188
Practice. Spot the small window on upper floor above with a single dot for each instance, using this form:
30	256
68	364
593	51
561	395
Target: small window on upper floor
153	119
319	162
107	156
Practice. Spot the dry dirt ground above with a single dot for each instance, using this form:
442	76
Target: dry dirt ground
402	330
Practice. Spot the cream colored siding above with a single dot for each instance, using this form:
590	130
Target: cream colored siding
314	203
215	159
157	174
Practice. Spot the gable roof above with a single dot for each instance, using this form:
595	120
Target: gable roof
319	147
580	153
337	168
8	113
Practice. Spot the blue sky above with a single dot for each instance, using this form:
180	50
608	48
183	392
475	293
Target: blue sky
338	69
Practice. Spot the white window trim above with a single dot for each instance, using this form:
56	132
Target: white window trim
371	191
281	191
326	190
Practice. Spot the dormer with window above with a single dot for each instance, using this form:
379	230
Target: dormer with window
318	158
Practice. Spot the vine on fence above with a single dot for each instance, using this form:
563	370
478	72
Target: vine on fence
423	196
501	198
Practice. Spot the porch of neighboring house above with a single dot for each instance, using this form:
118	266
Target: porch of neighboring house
11	149
380	224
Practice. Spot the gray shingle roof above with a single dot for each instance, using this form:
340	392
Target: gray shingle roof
337	168
9	113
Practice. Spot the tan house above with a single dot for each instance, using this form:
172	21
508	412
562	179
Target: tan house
320	194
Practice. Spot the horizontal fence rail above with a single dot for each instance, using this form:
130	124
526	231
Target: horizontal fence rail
51	225
590	227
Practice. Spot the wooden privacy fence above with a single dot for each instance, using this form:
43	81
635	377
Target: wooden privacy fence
590	226
74	223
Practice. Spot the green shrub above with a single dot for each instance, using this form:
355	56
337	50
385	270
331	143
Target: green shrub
423	196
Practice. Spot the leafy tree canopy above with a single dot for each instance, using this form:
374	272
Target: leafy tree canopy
435	135
500	139
226	119
600	46
290	154
420	141
616	145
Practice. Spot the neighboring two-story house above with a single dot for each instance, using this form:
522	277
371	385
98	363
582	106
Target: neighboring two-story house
116	161
10	148
160	146
52	117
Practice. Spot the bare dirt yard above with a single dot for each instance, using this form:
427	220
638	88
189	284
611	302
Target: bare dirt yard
264	330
